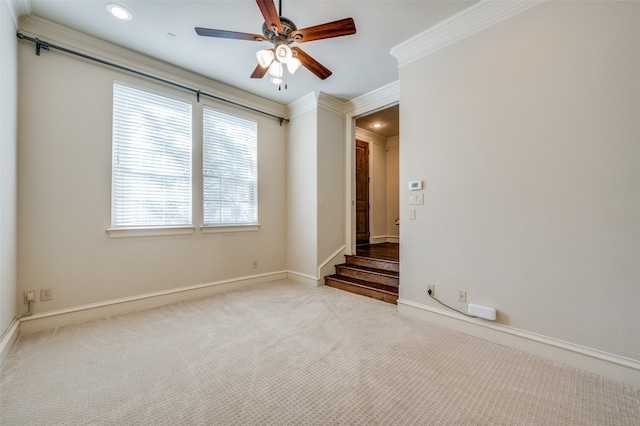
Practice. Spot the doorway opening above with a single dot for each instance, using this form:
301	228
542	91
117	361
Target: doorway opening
377	178
372	268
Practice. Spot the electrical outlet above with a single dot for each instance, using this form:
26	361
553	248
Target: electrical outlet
462	296
29	296
431	289
46	294
255	264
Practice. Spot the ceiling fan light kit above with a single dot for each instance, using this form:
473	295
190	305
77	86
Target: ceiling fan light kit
282	32
283	53
293	65
276	69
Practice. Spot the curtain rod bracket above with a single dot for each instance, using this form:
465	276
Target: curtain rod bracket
198	96
41	44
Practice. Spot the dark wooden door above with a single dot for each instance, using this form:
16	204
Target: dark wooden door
362	192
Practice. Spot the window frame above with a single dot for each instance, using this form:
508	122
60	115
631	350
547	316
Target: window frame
207	227
141	229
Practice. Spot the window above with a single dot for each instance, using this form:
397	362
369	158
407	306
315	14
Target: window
229	169
151	177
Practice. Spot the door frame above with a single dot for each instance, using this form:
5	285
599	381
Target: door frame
366	104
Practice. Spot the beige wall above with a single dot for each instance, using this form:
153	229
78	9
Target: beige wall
302	192
378	191
527	137
393	185
64	172
316	185
331	179
8	165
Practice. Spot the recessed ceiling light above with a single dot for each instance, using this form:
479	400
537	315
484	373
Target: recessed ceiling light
119	12
376	125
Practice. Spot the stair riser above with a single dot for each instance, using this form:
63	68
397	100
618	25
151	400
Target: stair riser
373	263
367	276
389	298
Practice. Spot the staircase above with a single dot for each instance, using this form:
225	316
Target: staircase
377	278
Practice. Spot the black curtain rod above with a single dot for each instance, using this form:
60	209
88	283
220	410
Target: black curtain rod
46	46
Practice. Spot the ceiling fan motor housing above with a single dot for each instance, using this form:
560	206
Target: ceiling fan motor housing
285	36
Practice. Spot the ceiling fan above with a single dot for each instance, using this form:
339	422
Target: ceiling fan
282	32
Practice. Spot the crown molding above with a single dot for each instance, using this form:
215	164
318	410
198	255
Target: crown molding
314	100
370	137
475	18
22	7
377	99
18	9
74	40
304	104
393	141
330	103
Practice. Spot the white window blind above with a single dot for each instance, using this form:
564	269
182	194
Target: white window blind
151	172
230	177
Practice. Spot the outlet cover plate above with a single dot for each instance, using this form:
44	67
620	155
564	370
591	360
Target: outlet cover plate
46	294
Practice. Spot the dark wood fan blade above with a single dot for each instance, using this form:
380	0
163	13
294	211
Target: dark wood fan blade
271	17
259	72
339	28
311	64
208	32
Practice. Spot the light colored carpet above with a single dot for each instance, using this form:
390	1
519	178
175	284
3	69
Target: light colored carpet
283	354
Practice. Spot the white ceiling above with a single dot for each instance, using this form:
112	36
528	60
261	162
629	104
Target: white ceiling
360	63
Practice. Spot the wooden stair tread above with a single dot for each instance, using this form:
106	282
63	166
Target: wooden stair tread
393	274
363	283
372	275
387	265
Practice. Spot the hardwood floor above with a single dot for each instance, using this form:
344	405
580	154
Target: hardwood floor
373	271
385	251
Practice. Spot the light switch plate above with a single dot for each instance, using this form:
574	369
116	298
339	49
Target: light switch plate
416	199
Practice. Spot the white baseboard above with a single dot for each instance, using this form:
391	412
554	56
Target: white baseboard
325	268
328	267
608	365
384	239
107	308
308	280
8	339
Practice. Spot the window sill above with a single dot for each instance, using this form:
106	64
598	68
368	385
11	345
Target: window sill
149	232
212	229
